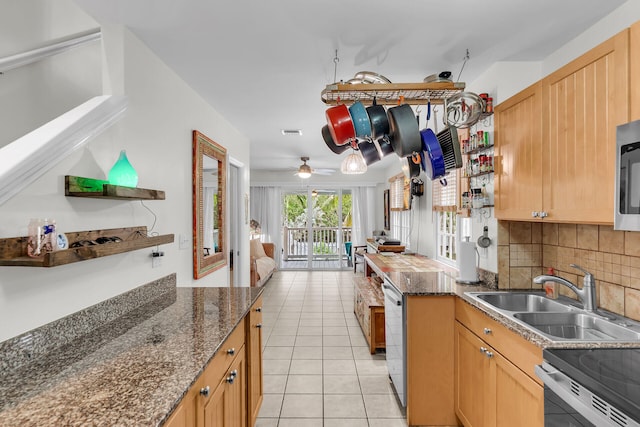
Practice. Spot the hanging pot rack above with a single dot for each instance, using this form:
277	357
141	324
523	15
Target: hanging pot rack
389	93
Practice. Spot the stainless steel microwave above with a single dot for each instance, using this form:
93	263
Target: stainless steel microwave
627	214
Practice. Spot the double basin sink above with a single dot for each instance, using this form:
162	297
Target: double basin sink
559	320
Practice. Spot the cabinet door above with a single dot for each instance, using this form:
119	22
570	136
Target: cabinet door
236	398
519	399
472	400
586	100
518	155
215	411
254	360
227	407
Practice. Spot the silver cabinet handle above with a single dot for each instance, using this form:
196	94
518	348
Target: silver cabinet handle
259	309
230	379
489	354
487	331
543	214
483	350
231	351
535	214
205	391
259	325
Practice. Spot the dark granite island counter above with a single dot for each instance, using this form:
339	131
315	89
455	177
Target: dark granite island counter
127	361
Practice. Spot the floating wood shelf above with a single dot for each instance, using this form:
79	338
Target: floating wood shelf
13	251
77	186
390	93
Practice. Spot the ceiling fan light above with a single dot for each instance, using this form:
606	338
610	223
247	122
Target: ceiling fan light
354	164
304	171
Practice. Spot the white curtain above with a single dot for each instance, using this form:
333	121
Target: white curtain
266	209
364	217
207	207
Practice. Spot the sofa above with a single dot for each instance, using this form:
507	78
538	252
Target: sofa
263	262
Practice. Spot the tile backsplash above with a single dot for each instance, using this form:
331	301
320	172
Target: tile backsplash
526	250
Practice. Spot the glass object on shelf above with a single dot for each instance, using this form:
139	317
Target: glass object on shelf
122	173
42	233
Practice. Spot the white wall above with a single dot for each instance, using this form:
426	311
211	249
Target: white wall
156	132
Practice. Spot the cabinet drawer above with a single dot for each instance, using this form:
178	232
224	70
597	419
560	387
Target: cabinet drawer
518	350
220	363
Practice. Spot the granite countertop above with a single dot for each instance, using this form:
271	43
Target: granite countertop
132	371
434	283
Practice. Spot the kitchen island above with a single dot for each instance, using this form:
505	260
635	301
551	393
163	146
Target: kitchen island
132	370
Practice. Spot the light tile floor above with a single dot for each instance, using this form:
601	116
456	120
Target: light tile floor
318	371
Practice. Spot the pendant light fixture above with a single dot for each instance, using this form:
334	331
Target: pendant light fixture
304	171
354	164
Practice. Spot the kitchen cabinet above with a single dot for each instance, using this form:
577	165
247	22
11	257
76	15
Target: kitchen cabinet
254	360
369	310
494	377
518	155
555	140
430	336
228	393
228	403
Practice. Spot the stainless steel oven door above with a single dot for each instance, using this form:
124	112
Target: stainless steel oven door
568	403
627	192
395	339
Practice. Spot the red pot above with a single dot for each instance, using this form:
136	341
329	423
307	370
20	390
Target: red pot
340	124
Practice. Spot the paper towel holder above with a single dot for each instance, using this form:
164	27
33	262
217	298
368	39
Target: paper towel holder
484	241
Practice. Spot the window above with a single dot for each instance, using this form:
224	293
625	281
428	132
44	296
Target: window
446	235
444	202
399	193
401	227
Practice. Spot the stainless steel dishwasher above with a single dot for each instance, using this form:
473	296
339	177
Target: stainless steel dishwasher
395	338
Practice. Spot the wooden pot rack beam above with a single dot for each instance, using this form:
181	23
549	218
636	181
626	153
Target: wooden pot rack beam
77	186
13	251
390	93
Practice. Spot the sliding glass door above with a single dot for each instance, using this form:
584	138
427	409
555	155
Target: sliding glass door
317	224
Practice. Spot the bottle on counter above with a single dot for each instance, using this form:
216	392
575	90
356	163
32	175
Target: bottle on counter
551	288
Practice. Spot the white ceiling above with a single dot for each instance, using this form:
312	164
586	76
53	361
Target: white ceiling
263	64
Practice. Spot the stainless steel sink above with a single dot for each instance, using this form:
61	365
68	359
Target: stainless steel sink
559	320
577	326
521	301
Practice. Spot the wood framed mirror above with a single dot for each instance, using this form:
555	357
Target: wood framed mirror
209	201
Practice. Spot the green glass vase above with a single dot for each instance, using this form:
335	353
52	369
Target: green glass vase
122	173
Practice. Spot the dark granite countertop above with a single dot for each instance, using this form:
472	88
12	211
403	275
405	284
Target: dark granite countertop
132	371
443	283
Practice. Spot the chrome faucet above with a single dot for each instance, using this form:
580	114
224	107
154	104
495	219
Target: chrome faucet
588	292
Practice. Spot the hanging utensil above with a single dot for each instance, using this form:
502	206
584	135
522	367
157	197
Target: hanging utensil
448	140
404	131
463	109
340	124
328	139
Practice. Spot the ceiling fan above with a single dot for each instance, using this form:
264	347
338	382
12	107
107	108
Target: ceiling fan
305	171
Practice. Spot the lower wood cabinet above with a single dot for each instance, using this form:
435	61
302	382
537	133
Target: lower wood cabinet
254	361
228	403
229	391
491	389
430	336
369	310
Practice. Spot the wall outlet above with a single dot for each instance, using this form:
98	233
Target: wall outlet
156	258
184	241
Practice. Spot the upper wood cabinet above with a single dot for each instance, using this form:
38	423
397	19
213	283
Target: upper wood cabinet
572	153
518	154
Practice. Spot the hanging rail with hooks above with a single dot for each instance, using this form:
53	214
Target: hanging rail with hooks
389	93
